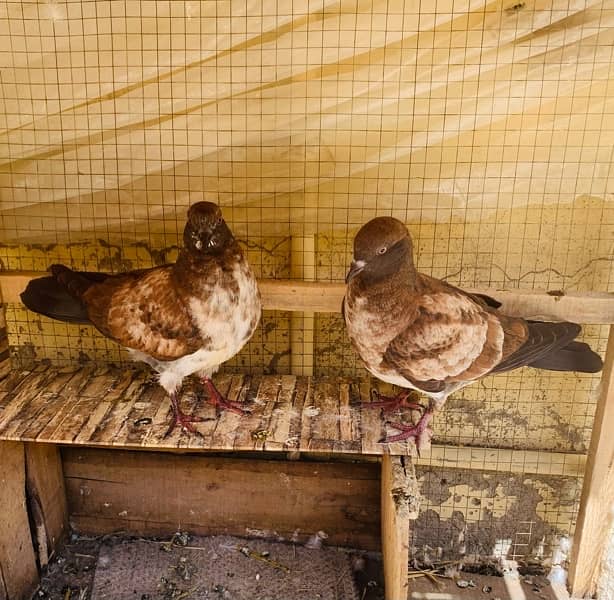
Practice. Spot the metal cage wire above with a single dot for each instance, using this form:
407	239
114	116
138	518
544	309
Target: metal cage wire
486	127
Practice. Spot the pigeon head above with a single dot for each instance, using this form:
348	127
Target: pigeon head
381	247
206	231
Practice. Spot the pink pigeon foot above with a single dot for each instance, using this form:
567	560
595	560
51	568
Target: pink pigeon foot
219	401
390	403
180	418
419	432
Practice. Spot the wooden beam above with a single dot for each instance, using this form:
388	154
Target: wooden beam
597	501
302	267
46	497
18	572
317	296
399	505
151	493
5	362
538	462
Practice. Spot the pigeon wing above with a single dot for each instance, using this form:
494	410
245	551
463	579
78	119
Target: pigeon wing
452	339
144	311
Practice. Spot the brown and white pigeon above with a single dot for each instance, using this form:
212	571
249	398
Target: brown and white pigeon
182	318
421	333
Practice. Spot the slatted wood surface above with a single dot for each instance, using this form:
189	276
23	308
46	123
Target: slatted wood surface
111	406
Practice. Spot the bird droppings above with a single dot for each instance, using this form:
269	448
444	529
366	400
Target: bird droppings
316	540
512	505
311	411
204	568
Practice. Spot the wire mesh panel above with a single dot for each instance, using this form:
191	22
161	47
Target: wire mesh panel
486	126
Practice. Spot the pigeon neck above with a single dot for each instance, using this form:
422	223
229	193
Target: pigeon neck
403	274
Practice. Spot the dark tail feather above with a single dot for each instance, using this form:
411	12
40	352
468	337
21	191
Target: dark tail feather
576	356
76	283
58	296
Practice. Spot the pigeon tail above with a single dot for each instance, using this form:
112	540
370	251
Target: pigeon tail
76	283
576	356
53	297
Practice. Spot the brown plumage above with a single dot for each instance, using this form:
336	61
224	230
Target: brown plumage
184	318
418	332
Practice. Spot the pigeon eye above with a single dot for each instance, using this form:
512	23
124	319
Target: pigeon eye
382	250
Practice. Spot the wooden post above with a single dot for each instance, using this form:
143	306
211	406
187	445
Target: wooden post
46	497
399	498
302	256
18	572
597	501
5	362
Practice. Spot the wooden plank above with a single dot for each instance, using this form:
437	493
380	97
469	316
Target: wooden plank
303	268
5	362
150	493
23	394
539	462
399	505
316	296
250	423
268	395
281	418
63	404
597	499
90	407
301	392
17	558
372	427
325	428
46	497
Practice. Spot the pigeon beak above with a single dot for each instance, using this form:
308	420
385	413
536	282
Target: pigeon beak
355	268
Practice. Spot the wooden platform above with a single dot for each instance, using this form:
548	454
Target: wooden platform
47	415
113	406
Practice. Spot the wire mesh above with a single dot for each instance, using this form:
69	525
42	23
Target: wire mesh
486	126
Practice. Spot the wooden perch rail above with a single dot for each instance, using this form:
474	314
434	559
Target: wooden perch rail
104	409
317	296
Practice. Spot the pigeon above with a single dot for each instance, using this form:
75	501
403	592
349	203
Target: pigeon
182	318
423	334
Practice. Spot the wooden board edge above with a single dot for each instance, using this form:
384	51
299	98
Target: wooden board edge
318	296
46	497
17	557
597	500
399	506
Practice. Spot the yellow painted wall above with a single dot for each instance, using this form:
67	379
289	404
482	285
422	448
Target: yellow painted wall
488	127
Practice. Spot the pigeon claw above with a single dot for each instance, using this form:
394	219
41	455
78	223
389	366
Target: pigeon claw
185	421
220	402
391	403
420	432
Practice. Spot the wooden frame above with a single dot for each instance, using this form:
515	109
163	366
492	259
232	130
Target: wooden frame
597	503
301	296
316	296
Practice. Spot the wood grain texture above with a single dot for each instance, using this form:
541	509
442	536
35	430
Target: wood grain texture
110	407
47	497
125	407
597	503
18	570
317	296
5	363
151	493
399	494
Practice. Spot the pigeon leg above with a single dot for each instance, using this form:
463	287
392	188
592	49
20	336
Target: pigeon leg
418	432
180	418
219	401
390	403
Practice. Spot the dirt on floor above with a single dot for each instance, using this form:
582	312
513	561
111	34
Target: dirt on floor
118	567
